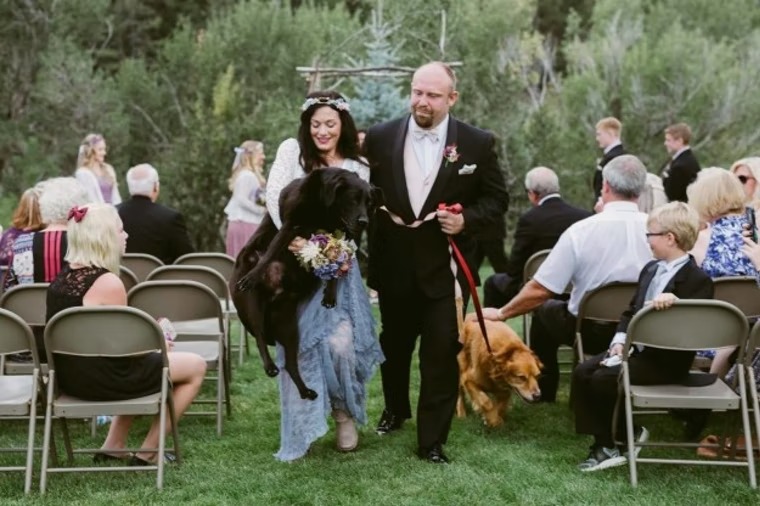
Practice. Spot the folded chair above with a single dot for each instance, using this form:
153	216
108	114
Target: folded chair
529	270
29	302
603	304
752	345
194	310
105	331
224	265
687	325
127	277
141	264
18	394
205	276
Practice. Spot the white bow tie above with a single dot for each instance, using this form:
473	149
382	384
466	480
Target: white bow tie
420	134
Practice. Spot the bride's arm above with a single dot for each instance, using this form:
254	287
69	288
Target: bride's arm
283	171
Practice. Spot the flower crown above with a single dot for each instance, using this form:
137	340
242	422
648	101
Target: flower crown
339	103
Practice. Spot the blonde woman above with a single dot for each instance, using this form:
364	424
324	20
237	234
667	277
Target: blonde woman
246	207
98	177
91	278
747	170
719	198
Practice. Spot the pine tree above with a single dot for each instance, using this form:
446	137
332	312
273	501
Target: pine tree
377	98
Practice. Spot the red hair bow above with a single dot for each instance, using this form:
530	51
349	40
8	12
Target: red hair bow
77	213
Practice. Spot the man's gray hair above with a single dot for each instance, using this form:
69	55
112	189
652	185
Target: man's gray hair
626	175
542	181
57	196
142	179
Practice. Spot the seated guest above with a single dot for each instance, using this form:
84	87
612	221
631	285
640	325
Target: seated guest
719	198
153	228
747	171
26	218
672	230
38	257
96	242
609	246
538	229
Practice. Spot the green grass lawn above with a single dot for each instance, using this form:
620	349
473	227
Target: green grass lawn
530	460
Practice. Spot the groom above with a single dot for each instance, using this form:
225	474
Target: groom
419	161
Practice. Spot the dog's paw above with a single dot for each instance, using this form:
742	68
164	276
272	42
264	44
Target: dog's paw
272	371
309	394
243	283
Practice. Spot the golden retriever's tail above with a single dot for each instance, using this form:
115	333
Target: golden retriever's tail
460	318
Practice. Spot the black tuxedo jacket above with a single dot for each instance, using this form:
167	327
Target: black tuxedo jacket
690	282
681	173
154	229
402	258
537	229
612	153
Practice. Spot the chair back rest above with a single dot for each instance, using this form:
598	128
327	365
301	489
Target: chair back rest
606	303
176	300
753	342
29	301
533	263
741	291
203	275
140	264
127	277
221	263
103	331
690	324
16	336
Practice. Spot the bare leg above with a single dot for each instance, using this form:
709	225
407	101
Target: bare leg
117	435
720	363
186	371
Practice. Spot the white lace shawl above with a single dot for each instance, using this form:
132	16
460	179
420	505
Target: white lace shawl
287	167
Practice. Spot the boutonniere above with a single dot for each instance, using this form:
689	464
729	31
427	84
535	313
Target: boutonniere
450	154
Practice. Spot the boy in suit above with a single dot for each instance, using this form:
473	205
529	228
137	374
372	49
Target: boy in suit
671	230
608	132
683	167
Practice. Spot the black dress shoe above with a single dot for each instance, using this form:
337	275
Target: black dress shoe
388	423
434	455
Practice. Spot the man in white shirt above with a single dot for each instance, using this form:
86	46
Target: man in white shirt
609	246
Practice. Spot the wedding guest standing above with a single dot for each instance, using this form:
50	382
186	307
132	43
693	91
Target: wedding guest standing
246	207
97	176
682	169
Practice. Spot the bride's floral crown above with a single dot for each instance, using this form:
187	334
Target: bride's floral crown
339	103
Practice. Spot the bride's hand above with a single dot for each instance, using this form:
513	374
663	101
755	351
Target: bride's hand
296	244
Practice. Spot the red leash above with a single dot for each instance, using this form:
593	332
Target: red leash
457	209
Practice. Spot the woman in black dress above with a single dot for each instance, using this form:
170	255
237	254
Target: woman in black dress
96	240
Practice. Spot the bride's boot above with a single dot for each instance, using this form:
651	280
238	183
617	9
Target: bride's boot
346	435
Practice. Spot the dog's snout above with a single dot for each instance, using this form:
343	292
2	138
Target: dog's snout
537	396
362	221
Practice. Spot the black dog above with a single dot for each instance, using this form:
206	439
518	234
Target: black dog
268	283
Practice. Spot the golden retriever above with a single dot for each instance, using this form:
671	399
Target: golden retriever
489	379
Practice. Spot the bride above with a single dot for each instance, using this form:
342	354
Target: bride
338	349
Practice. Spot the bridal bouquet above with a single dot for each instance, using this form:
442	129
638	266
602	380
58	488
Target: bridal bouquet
327	255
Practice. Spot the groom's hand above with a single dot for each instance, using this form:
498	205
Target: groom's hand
451	224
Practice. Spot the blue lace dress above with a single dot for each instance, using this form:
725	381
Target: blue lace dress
724	256
338	350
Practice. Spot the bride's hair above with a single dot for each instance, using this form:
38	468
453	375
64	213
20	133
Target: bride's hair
311	157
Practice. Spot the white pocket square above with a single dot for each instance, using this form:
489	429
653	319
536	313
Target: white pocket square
467	169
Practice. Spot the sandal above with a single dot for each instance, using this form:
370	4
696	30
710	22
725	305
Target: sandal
169	458
101	457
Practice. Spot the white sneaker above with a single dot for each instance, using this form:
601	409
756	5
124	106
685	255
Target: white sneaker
602	458
641	435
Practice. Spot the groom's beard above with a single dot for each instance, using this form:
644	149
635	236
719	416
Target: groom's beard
423	117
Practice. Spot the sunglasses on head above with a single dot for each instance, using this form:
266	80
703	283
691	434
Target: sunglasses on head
744	179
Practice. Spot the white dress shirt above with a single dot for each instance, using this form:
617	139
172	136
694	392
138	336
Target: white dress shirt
606	247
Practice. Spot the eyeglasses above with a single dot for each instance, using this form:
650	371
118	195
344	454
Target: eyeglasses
744	179
654	234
